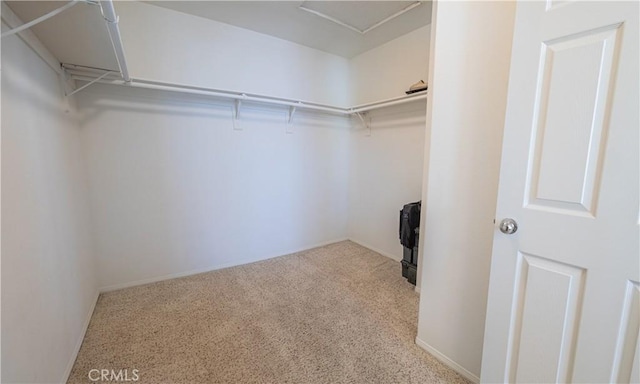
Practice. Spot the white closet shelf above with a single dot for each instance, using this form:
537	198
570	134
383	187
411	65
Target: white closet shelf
103	76
122	77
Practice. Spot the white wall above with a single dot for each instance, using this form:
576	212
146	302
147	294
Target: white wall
471	51
175	189
163	44
390	69
48	284
208	171
385	173
386	167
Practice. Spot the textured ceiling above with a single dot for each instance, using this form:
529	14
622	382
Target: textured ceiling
79	35
356	13
285	20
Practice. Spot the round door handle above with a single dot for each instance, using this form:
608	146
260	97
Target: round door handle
508	226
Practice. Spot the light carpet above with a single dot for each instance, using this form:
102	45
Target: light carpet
335	314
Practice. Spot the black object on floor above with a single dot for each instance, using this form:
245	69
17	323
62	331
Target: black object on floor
408	232
409	271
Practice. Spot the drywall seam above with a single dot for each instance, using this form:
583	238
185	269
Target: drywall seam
234	263
447	361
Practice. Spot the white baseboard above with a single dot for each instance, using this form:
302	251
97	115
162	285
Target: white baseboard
447	361
383	253
417	290
196	271
85	326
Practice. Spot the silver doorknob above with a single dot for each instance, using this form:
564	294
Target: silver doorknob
508	226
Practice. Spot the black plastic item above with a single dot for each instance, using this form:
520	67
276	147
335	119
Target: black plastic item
409	271
410	261
410	255
408	231
409	221
416	90
407	255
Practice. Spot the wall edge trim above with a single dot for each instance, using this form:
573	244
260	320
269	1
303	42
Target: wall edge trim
85	327
447	361
362	243
210	268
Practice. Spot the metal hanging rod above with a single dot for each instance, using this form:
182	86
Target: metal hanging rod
109	76
92	75
162	86
96	75
388	102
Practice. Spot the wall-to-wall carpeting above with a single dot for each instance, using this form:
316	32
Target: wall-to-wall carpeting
334	314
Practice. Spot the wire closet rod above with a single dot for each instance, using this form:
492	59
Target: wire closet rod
82	75
162	86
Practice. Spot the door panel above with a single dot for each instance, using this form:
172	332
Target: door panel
564	303
549	298
627	362
576	68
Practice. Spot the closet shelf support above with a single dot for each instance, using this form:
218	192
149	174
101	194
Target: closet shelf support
292	111
365	123
111	20
89	74
237	105
89	83
236	109
389	102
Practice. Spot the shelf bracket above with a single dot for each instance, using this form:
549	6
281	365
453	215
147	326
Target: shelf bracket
236	114
366	124
236	109
67	85
89	83
292	111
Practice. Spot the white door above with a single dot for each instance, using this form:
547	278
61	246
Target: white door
564	298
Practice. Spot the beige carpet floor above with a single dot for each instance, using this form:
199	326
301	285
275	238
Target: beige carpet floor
335	314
